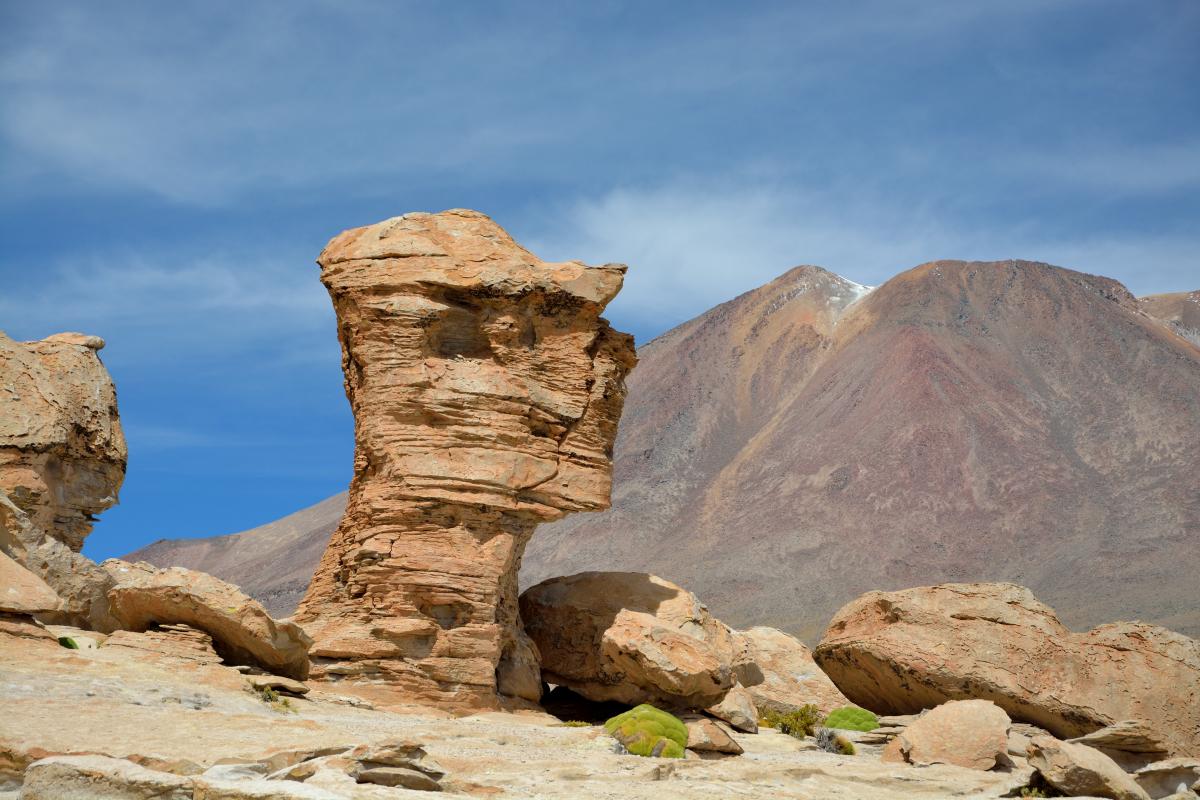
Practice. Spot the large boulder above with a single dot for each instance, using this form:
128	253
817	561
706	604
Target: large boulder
901	652
629	637
1077	770
966	733
62	461
486	390
780	674
241	629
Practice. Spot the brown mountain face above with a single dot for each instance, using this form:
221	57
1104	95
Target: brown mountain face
1181	310
806	442
963	422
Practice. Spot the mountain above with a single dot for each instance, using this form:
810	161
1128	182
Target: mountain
813	439
1180	309
272	563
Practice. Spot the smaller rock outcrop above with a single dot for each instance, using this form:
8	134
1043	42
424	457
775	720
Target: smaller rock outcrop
966	733
1077	770
1131	743
22	592
242	631
1174	776
709	736
900	652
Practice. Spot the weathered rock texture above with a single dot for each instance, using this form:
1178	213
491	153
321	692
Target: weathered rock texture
900	652
242	630
62	460
784	675
486	390
1077	770
967	733
630	637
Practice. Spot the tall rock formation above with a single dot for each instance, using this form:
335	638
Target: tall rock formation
486	391
62	460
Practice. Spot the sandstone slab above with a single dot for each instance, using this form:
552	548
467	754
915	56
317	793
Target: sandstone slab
242	630
22	592
1078	770
1168	777
706	735
92	777
486	390
899	652
736	708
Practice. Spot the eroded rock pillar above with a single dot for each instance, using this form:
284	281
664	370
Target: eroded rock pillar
486	391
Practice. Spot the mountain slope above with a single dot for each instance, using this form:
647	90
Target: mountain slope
965	421
272	563
1180	309
810	440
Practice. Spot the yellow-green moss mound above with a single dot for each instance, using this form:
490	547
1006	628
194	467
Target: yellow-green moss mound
646	731
852	718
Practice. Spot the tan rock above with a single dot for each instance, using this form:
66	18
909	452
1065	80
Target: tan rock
486	390
1078	770
707	735
787	676
1168	777
62	460
898	652
629	637
966	733
1131	743
243	631
22	592
278	683
92	777
172	641
398	776
737	708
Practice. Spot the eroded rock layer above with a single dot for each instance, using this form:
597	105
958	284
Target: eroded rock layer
62	460
486	390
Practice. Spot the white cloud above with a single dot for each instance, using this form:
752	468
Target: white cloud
692	244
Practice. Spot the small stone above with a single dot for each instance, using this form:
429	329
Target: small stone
737	708
277	682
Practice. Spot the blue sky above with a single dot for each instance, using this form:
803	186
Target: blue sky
168	173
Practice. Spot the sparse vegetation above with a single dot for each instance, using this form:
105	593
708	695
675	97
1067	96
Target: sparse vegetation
798	724
572	723
831	741
274	699
852	718
68	642
648	731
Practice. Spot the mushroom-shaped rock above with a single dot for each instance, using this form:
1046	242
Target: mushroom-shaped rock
62	460
242	630
486	390
629	637
900	652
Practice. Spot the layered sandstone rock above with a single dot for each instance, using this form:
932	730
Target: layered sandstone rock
62	460
486	390
900	652
22	592
242	630
1077	770
629	637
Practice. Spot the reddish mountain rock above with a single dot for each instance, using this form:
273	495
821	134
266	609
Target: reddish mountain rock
900	652
486	390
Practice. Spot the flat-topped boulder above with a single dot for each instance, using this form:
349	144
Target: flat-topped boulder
901	652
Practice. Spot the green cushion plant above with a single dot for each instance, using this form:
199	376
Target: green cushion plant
647	731
852	718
